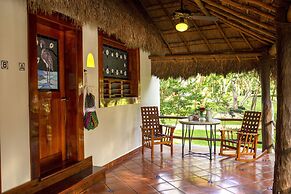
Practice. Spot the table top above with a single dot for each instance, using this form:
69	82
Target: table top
211	122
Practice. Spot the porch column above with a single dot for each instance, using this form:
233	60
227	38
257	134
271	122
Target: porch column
282	170
267	126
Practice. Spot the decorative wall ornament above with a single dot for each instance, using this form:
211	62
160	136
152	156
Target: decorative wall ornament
114	63
47	63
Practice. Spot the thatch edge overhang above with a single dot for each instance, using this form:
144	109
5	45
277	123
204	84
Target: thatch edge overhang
189	68
118	18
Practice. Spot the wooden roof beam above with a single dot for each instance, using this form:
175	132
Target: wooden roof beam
211	41
238	27
204	10
173	24
243	22
206	42
248	8
202	36
225	55
193	29
239	15
260	3
141	8
248	42
171	4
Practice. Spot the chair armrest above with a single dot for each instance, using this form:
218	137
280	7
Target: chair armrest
228	130
169	126
169	129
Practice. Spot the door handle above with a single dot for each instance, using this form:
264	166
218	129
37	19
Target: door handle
64	99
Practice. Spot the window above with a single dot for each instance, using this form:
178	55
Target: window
119	75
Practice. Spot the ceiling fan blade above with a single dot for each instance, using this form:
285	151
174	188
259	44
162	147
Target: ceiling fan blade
200	17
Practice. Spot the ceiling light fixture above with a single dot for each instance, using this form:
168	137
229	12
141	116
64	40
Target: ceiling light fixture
182	25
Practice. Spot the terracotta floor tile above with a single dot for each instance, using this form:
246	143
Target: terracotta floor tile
124	191
191	190
163	186
173	191
193	175
181	183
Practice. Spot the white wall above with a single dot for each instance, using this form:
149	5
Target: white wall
150	90
118	132
14	112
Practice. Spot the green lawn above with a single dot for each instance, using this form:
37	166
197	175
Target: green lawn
201	133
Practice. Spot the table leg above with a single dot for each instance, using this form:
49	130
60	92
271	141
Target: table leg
183	140
189	136
214	139
211	138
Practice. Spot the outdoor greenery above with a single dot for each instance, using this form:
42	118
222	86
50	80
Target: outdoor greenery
226	96
230	94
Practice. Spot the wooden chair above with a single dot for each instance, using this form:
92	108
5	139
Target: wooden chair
243	142
153	132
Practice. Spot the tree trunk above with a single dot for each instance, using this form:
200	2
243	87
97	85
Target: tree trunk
234	94
282	170
267	127
254	101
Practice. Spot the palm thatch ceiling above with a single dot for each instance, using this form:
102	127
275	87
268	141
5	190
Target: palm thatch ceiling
244	32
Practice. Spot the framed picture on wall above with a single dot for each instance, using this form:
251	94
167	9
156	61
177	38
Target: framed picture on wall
115	63
47	63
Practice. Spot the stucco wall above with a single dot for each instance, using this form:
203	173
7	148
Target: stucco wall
118	132
14	115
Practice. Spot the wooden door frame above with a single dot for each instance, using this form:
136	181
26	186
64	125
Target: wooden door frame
74	135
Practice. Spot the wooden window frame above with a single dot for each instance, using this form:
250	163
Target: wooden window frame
105	97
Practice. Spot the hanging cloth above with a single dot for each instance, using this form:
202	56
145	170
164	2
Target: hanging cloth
90	117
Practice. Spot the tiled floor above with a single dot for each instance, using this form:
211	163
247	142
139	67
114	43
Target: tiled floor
171	175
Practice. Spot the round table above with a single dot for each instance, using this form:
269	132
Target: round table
189	126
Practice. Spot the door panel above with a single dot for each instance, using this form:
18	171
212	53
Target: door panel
56	127
52	109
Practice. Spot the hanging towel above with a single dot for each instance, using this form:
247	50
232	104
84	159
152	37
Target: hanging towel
90	117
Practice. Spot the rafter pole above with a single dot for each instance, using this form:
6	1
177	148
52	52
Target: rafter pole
248	43
244	30
191	29
173	24
225	55
245	23
141	7
248	8
262	4
204	10
211	41
204	39
241	16
171	4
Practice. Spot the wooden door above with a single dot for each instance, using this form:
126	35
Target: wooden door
52	97
55	93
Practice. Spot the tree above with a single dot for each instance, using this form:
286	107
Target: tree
183	97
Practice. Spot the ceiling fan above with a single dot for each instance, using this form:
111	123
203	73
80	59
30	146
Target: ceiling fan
184	14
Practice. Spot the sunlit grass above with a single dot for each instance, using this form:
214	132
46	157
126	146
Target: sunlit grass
201	133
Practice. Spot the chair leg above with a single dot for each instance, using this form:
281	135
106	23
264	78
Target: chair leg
161	147
142	147
152	149
222	138
152	152
171	149
238	150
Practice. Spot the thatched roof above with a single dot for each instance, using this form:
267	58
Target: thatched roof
244	31
120	18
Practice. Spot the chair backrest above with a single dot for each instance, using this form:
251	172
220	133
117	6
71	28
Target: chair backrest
251	121
150	117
